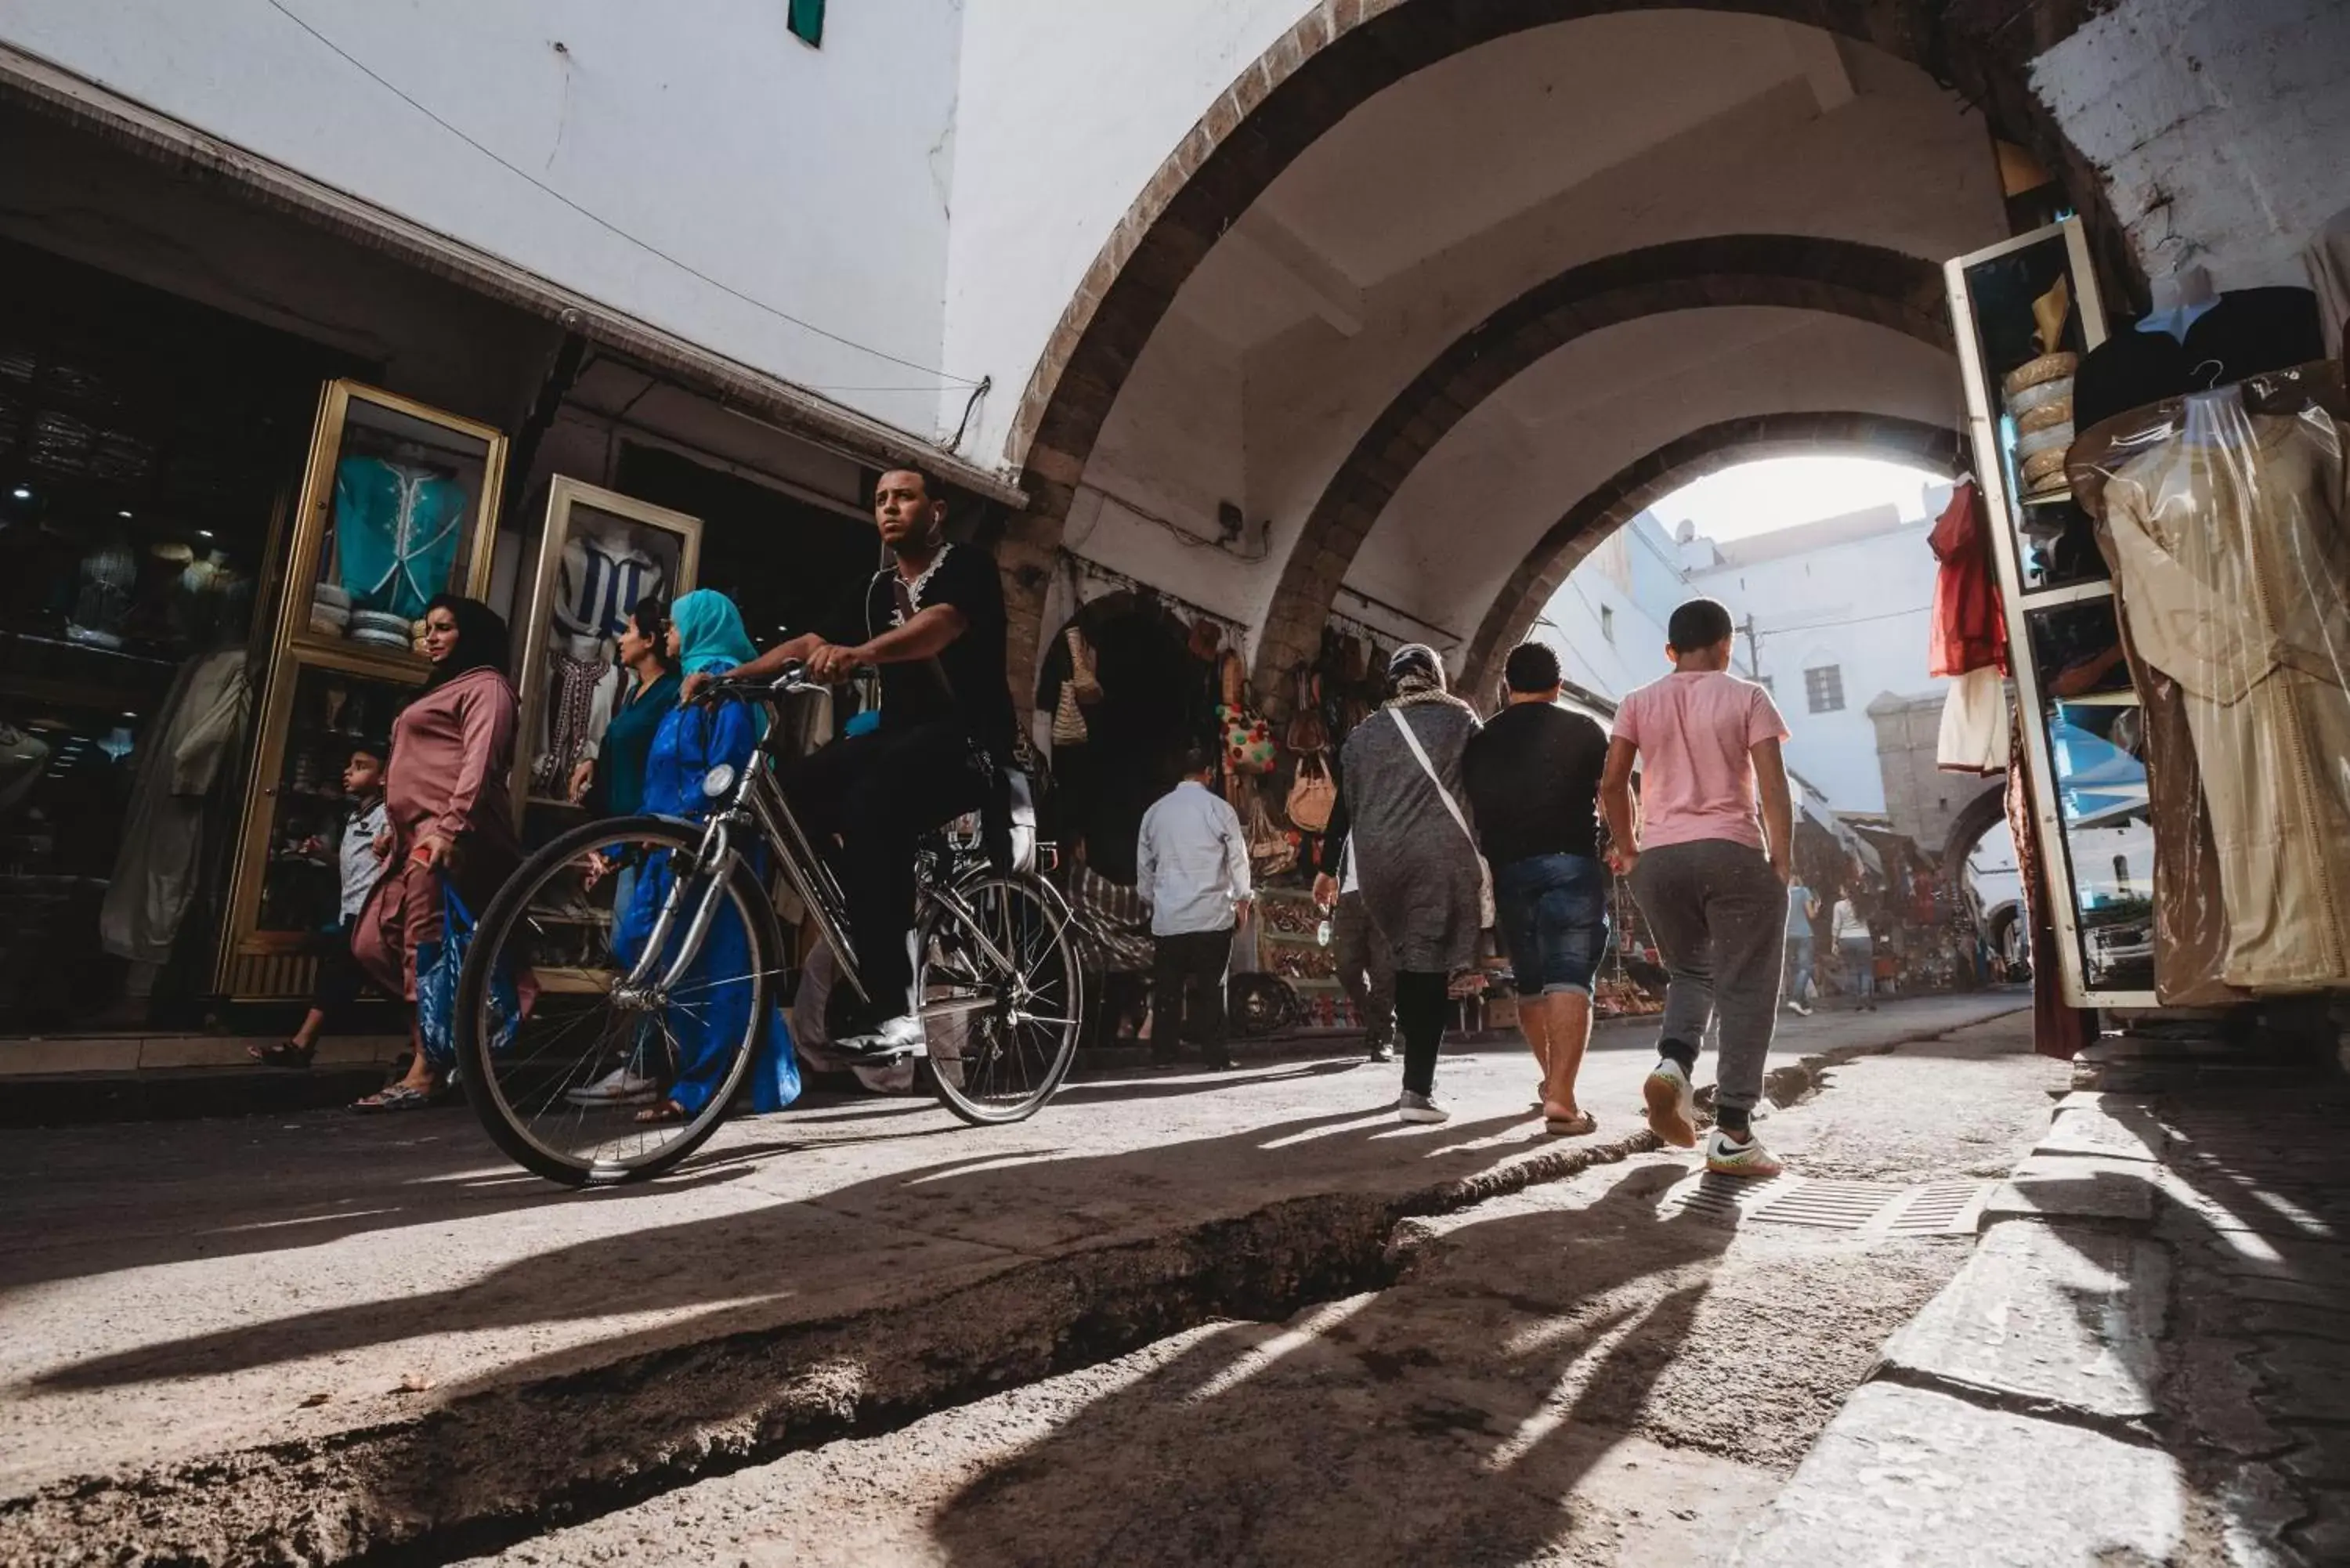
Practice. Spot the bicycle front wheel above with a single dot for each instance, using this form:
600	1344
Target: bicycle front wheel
573	1072
1001	993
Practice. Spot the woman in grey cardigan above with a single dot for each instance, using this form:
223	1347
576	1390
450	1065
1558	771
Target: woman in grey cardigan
1414	854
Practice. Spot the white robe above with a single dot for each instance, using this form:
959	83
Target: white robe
156	869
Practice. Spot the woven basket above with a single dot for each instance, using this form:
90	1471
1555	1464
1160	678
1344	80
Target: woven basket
2033	372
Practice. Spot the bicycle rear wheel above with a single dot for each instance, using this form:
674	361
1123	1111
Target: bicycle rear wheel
560	1090
1002	993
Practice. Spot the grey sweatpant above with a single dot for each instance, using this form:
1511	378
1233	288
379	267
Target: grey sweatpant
1366	968
1718	914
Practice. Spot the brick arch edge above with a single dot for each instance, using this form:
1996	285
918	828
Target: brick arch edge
1649	479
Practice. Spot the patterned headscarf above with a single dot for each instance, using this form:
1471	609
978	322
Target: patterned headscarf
1416	673
710	635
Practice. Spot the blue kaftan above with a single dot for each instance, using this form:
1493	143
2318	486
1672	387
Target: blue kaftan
706	1016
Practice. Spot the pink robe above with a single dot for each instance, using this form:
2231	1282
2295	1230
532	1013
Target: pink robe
451	753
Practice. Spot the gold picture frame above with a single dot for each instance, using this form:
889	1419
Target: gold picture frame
305	648
555	609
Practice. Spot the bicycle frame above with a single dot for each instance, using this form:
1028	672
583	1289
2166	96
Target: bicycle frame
758	801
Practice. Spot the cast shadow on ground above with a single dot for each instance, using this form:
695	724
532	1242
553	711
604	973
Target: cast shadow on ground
1445	1419
838	1249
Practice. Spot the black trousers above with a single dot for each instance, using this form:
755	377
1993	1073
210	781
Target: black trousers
339	977
1423	1001
1187	992
878	794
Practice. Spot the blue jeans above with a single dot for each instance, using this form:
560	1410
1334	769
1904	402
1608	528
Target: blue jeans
1554	917
1799	985
1859	956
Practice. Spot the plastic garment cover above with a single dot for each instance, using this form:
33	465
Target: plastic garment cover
2224	517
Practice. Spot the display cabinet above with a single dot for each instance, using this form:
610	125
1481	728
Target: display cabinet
2024	313
399	502
596	554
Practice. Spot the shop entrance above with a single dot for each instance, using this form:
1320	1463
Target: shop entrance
147	445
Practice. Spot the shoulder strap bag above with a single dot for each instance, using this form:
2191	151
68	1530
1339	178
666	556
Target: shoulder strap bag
1485	911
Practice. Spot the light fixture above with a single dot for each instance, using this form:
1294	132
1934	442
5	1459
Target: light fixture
203	533
124	516
22	493
131	715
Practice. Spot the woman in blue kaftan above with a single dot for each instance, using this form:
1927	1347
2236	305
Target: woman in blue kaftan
706	1016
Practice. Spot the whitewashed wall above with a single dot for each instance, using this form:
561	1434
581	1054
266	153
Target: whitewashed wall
1862	606
814	180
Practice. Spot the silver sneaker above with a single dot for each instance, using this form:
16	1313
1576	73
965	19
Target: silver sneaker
1420	1108
1381	1052
622	1086
892	1037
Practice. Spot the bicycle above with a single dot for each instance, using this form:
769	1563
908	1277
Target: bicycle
997	976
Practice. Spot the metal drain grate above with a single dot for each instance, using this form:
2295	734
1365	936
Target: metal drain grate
1932	1208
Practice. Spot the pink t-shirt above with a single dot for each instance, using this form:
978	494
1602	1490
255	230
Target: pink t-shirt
1694	731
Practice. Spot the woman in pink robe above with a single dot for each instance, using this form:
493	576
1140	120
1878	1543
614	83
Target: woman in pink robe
445	794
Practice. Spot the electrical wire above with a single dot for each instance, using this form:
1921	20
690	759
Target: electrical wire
947	377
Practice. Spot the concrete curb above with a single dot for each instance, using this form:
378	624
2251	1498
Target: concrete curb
2042	1357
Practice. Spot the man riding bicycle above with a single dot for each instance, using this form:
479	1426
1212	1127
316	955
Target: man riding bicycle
933	625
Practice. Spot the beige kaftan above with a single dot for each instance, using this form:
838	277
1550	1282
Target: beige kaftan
2234	565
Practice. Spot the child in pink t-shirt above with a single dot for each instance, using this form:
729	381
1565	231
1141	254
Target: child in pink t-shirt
1714	840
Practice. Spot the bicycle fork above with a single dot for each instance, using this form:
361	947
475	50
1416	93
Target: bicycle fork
716	859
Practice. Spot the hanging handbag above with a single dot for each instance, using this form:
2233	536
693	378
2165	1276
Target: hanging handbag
1313	794
1486	914
1307	731
1248	739
1271	851
1068	719
1082	674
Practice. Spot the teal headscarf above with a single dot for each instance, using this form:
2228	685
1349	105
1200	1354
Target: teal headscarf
710	635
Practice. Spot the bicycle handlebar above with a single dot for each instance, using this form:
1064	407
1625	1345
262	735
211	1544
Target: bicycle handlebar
790	681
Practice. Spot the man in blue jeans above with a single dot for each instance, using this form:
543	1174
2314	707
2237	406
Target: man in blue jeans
1532	779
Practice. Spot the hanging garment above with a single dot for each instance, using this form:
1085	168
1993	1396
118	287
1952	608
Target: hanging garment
582	687
2231	551
1975	728
1968	631
155	871
603	572
397	529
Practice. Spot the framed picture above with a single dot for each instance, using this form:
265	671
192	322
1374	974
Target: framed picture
399	504
598	552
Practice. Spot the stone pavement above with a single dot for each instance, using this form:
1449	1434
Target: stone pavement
343	1331
2147	1360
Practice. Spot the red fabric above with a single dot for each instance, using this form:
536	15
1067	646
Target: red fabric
1969	632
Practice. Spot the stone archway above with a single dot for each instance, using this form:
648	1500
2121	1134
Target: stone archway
1977	818
1840	277
1341	53
1642	483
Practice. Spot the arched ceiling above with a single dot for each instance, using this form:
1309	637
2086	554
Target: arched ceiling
1507	277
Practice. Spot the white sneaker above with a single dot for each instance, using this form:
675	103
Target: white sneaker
891	1037
1725	1156
622	1086
1420	1108
1798	1008
1672	1104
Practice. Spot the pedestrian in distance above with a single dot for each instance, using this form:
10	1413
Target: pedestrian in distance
1855	953
1533	776
1802	986
1710	861
1416	855
360	849
1192	866
1366	967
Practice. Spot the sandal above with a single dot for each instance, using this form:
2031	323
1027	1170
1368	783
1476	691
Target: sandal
284	1053
1575	1126
398	1097
654	1115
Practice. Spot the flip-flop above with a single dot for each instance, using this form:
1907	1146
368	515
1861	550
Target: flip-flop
1578	1125
667	1112
284	1053
399	1097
